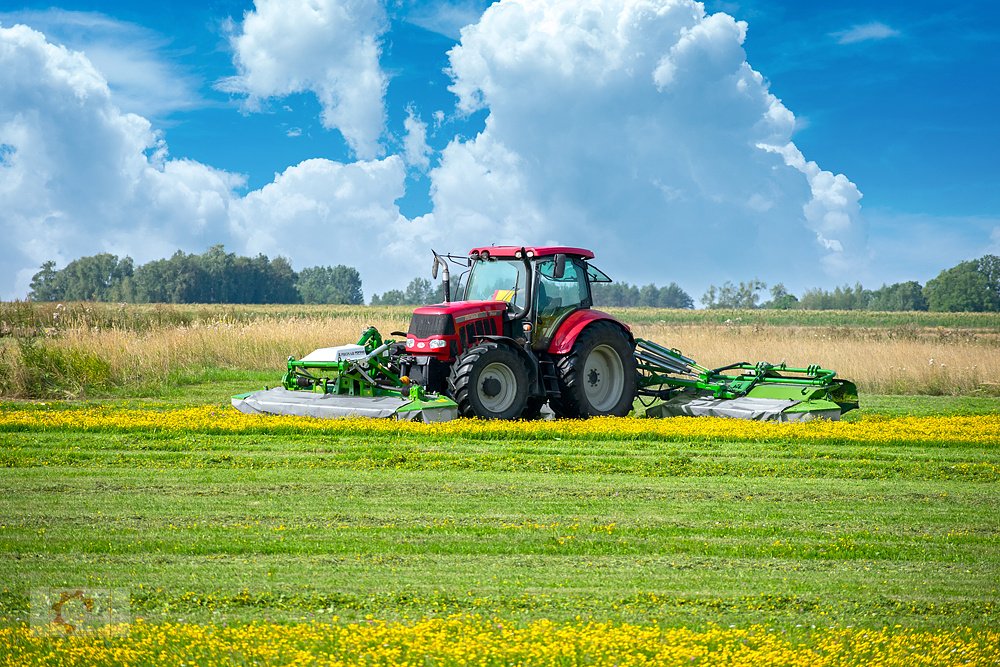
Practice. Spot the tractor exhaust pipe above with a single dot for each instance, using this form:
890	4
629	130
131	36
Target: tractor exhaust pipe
445	276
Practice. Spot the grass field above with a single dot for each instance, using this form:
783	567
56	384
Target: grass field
685	541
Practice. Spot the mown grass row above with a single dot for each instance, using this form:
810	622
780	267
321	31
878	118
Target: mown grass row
655	458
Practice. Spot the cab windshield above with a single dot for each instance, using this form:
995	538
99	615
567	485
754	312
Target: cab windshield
497	280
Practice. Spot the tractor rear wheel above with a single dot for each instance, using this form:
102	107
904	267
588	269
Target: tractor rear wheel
489	381
598	376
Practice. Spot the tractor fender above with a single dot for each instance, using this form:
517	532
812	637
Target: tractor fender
529	359
565	337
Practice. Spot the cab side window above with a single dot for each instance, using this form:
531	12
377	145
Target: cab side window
558	297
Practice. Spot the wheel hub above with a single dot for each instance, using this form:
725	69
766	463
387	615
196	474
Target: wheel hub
491	387
497	387
604	376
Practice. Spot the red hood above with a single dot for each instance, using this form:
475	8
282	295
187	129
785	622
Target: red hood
459	308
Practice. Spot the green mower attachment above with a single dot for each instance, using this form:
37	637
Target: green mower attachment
761	391
360	380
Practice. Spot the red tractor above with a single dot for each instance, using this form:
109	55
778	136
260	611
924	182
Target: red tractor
524	334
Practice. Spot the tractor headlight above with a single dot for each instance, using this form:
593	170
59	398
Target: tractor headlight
531	253
437	344
410	342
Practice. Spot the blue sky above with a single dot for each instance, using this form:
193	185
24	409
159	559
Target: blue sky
806	143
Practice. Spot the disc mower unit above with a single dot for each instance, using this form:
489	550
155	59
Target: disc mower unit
360	380
759	391
523	335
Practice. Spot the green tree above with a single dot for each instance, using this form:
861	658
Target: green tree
781	299
744	295
419	291
393	297
972	286
179	279
672	296
94	278
330	284
649	295
46	285
282	280
841	298
898	296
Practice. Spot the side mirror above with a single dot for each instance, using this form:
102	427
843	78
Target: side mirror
559	270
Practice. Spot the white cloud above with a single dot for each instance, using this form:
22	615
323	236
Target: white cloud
327	47
415	148
78	176
321	212
865	32
636	128
445	18
140	76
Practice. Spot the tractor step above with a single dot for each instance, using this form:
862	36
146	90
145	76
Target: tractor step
550	381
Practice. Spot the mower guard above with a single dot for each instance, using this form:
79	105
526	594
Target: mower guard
694	404
281	401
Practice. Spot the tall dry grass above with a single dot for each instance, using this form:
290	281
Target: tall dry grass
881	361
85	359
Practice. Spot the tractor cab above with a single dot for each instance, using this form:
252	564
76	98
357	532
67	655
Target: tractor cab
540	286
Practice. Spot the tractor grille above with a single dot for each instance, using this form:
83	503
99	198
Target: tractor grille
425	326
468	333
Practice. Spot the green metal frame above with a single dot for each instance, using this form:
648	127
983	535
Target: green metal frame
664	371
348	378
352	378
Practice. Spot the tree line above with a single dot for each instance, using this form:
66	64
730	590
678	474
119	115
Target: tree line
217	276
971	286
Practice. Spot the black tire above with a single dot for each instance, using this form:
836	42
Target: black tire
489	381
598	376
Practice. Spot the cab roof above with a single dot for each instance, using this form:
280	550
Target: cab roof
507	251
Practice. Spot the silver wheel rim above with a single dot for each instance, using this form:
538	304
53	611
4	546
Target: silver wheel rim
603	378
505	398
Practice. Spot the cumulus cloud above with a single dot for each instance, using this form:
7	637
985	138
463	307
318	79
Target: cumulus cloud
415	148
865	32
78	176
637	128
327	47
322	212
634	127
130	58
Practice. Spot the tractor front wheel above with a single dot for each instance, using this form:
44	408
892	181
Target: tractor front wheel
598	376
489	381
